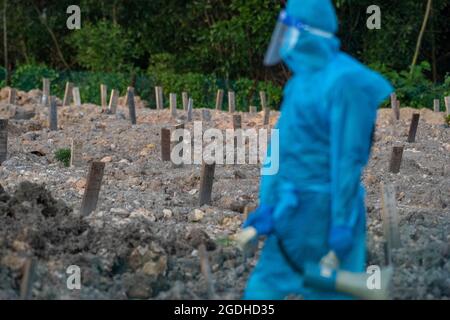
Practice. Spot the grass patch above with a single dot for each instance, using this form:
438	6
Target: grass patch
447	120
224	242
63	155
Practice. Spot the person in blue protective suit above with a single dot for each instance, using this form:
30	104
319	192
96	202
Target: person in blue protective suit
314	206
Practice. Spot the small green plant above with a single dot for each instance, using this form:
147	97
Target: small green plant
447	119
63	155
224	242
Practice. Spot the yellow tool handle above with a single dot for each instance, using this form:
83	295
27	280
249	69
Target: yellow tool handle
245	236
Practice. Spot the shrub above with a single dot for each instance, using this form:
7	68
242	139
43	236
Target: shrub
2	76
446	85
63	155
29	76
103	46
203	88
414	90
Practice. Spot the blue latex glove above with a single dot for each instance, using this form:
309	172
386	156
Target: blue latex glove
341	241
261	219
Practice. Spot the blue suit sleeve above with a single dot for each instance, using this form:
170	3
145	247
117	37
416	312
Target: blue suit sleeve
352	123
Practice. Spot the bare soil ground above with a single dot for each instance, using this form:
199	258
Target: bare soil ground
142	241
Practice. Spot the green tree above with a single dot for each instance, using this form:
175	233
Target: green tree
103	46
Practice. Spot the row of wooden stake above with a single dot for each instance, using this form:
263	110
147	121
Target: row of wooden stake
397	151
130	101
395	106
389	212
188	102
95	177
73	93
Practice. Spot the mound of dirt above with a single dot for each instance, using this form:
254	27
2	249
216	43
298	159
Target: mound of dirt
141	261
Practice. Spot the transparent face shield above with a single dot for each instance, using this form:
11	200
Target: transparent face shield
286	34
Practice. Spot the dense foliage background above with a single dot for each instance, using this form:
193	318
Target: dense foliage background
203	45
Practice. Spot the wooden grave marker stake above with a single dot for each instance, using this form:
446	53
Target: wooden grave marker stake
112	108
206	183
159	98
263	99
68	94
447	105
396	159
237	121
266	116
395	105
3	140
190	109
206	115
413	128
53	114
206	271
185	98
219	99
173	104
76	153
26	283
165	144
389	215
393	99
127	94
397	110
12	96
93	185
104	96
131	105
231	102
76	96
436	105
45	92
237	125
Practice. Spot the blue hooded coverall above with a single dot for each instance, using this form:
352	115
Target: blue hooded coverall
326	125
